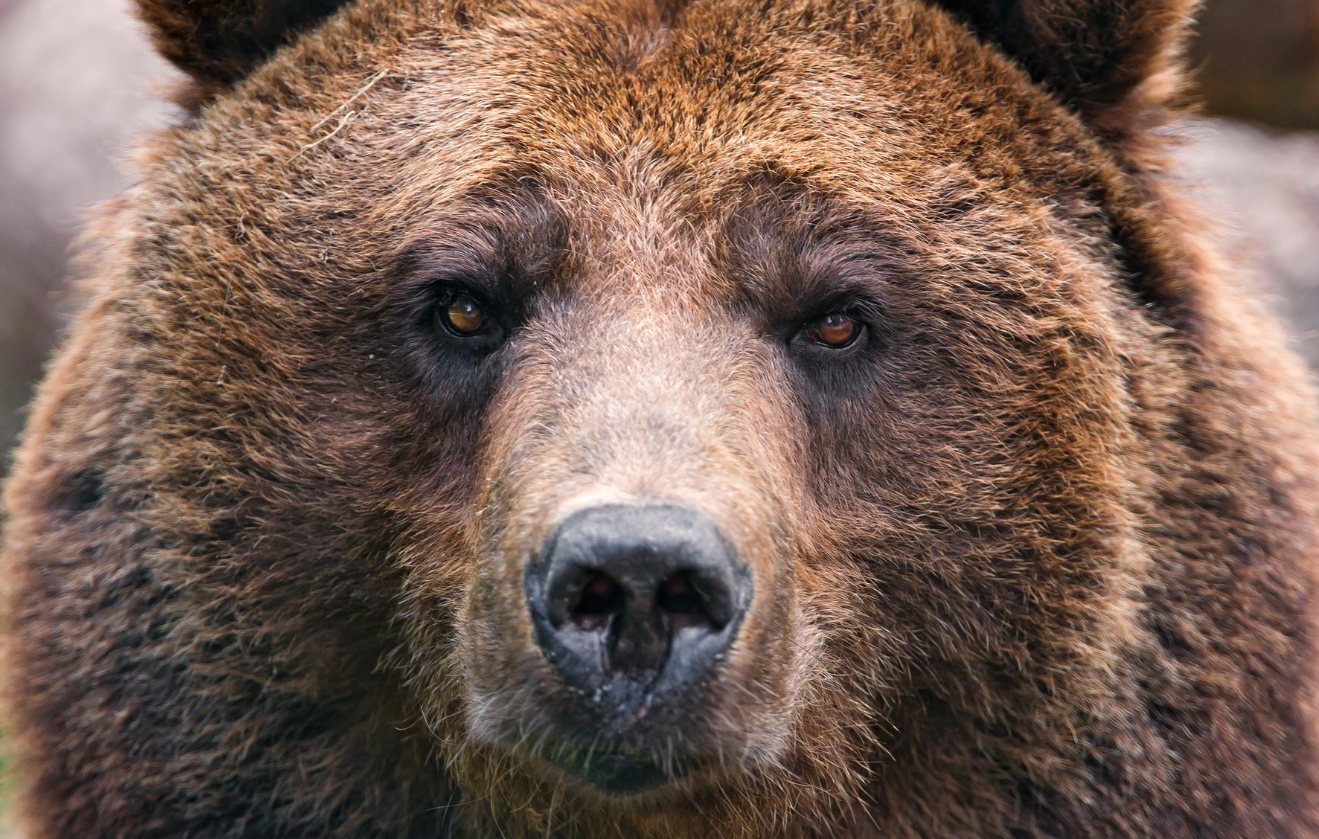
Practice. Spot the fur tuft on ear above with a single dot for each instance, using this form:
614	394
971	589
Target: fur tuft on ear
221	41
1112	60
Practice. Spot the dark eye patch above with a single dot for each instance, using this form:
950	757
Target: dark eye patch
800	257
465	282
502	247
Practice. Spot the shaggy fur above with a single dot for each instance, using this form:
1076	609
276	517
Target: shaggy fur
1035	559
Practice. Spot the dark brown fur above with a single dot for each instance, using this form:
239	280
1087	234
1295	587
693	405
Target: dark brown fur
1037	561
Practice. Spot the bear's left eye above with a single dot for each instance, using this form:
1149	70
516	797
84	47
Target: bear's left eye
836	330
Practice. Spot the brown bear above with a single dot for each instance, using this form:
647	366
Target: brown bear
734	418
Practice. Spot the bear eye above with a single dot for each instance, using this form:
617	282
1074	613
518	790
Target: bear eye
464	317
835	330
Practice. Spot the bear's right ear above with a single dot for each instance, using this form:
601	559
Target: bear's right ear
221	41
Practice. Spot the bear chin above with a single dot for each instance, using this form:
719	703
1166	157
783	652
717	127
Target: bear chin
619	776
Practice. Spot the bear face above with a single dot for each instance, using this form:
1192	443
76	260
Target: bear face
676	421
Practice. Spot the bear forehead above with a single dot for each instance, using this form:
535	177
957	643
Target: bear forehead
647	138
600	94
857	107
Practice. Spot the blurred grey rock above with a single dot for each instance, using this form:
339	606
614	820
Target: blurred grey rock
77	82
1264	188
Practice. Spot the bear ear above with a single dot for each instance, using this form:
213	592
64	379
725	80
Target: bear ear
221	41
1112	60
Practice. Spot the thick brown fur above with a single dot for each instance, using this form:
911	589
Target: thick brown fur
1036	561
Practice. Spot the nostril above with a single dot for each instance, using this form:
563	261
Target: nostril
684	601
601	599
679	596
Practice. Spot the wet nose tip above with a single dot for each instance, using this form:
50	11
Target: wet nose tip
653	591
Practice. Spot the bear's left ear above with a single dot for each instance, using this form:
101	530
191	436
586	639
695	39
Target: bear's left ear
221	41
1112	60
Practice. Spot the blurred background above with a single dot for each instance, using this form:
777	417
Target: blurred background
78	83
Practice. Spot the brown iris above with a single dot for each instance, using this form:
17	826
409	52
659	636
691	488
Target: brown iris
464	317
835	330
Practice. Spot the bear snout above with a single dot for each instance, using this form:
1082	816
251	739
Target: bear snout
634	608
634	605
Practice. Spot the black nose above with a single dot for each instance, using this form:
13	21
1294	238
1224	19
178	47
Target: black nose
650	595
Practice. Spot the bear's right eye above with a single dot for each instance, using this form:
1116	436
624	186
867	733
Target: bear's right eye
464	317
465	321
